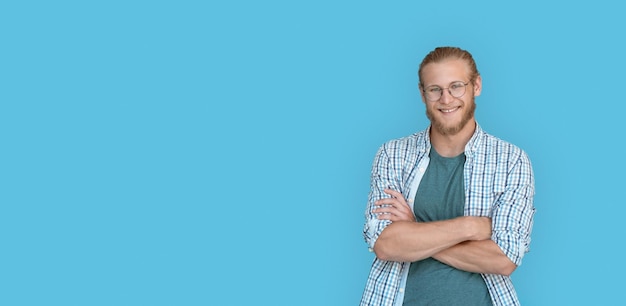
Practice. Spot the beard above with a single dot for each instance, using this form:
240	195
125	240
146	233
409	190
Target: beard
443	129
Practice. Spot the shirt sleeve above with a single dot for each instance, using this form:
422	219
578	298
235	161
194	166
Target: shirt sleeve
514	210
383	176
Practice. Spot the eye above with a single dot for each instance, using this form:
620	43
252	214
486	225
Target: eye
433	89
456	86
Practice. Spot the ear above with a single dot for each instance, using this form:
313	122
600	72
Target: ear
421	90
478	86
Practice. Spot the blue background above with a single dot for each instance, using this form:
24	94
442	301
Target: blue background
209	153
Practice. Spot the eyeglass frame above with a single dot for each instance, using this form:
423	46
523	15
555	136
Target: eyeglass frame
448	88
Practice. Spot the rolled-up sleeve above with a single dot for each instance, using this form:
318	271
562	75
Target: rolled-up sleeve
383	176
514	211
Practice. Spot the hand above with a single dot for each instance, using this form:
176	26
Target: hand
394	208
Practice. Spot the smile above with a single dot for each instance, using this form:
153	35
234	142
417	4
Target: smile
449	110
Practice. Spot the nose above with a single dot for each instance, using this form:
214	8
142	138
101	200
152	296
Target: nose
446	97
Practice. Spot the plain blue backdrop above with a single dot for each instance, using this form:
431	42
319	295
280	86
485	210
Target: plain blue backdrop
218	153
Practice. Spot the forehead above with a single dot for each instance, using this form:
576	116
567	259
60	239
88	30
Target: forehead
445	72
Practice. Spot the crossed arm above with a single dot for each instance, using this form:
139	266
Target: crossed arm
464	242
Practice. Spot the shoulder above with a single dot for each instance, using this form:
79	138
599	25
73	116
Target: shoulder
401	154
411	143
491	145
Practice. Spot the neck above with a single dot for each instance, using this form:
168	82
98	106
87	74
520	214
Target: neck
448	145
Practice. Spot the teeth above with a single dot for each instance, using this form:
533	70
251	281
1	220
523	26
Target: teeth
448	110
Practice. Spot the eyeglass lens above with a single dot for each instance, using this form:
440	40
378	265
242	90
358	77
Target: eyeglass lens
456	89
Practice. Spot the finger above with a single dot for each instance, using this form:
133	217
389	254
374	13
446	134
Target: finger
395	208
385	217
396	217
387	201
395	194
391	200
401	205
385	209
389	212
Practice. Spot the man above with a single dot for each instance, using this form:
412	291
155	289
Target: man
450	210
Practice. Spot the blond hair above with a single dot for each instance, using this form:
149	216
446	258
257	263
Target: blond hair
443	53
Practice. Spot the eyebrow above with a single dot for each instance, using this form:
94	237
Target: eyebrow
441	86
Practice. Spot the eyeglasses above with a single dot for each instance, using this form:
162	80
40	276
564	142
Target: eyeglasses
456	89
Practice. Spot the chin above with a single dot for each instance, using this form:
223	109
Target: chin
447	129
452	129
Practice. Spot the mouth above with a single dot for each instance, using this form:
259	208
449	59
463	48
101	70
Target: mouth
449	110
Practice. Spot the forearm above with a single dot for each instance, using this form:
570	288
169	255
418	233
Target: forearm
483	256
412	241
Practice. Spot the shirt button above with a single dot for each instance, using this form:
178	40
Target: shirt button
401	290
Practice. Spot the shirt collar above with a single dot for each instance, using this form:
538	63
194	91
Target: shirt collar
471	146
474	142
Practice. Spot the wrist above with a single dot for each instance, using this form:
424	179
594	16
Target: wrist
481	228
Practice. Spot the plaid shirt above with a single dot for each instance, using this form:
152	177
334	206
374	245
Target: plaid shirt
499	184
